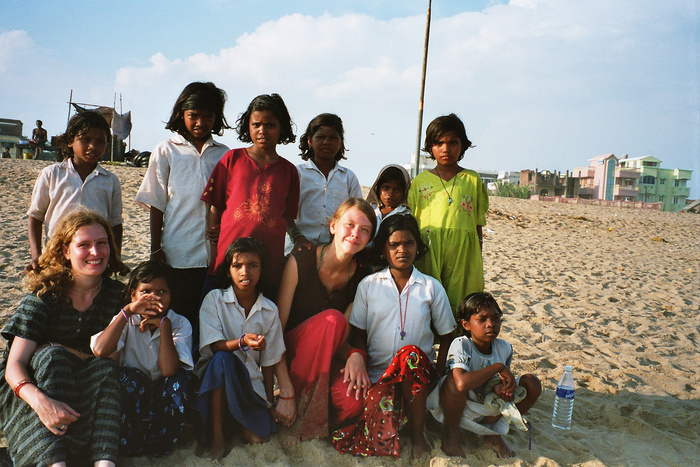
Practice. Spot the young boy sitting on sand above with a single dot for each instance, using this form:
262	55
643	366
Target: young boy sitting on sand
478	388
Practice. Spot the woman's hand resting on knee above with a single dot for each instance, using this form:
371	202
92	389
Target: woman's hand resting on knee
355	374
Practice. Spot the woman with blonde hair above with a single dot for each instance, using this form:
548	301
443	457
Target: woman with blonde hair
315	298
58	402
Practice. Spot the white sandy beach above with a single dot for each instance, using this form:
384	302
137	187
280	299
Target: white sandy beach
614	292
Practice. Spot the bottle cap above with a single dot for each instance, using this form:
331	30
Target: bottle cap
568	368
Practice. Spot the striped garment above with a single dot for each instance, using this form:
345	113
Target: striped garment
90	386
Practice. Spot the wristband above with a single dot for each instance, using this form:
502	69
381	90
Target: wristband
125	316
161	321
20	384
360	351
295	233
157	251
287	398
241	344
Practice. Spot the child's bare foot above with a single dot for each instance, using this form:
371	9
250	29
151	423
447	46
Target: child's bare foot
419	447
452	444
252	438
499	446
215	451
288	438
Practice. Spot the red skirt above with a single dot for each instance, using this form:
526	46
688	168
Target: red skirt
377	431
314	373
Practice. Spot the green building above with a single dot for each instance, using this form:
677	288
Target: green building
656	185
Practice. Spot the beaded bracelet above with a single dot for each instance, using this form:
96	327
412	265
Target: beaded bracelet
20	384
360	351
242	345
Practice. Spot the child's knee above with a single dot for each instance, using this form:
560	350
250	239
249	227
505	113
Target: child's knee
453	387
532	384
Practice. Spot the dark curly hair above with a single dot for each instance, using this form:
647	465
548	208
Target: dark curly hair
325	119
473	304
80	124
442	125
199	96
273	103
393	224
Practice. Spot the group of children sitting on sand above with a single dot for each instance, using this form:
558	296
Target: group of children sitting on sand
219	220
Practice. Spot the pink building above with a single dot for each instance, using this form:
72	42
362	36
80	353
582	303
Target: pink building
604	179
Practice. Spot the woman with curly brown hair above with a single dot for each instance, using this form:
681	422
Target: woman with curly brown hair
60	403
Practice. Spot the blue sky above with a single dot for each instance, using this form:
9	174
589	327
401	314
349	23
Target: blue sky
544	84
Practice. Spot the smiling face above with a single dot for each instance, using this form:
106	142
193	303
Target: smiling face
447	149
325	143
89	147
158	286
199	124
484	327
351	233
264	129
88	251
245	272
400	250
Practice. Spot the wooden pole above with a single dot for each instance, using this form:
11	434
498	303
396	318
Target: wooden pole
416	157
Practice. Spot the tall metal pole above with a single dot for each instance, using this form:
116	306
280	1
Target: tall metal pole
70	103
416	157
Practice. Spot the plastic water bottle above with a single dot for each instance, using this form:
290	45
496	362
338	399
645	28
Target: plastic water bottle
564	400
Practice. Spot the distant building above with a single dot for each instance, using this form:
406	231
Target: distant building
488	177
546	183
638	179
512	177
657	185
10	134
604	179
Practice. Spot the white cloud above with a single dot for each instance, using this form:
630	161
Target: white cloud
14	46
538	82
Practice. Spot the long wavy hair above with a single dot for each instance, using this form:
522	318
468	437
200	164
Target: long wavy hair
199	96
56	276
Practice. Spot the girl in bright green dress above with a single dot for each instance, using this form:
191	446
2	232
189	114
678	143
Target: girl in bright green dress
450	203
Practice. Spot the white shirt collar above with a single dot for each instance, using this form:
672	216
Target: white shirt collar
416	276
229	296
309	165
67	164
180	140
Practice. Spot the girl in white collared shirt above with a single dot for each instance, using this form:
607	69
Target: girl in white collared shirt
393	318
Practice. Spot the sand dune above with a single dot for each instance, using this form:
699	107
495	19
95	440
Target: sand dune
614	292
